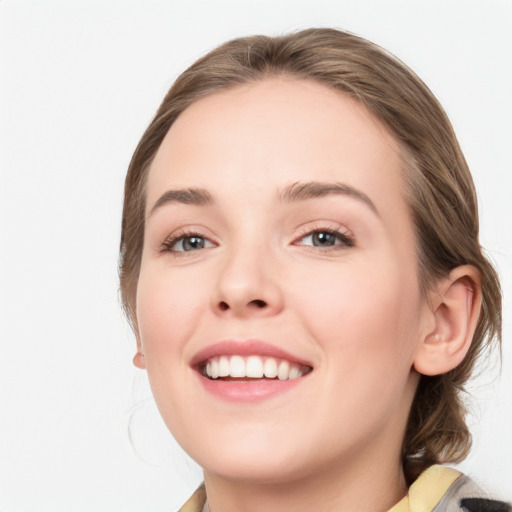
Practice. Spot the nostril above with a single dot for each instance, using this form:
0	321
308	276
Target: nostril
253	304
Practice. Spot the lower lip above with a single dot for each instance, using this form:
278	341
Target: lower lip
248	390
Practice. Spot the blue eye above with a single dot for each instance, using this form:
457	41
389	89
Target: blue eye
326	238
186	243
190	243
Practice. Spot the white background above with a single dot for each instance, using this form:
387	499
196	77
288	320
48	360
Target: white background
79	82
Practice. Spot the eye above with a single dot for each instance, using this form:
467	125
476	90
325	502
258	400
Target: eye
186	242
326	238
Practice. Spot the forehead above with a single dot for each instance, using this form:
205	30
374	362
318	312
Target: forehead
276	132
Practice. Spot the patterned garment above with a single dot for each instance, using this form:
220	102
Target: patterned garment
438	489
442	489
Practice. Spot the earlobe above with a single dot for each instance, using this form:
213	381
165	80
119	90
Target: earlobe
138	358
139	361
456	308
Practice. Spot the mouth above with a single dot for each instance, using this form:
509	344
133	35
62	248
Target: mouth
238	367
248	371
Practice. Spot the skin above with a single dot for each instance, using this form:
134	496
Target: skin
354	311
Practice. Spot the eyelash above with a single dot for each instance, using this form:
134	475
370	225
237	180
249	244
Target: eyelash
342	236
171	241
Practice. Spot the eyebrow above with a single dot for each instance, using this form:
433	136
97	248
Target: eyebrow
193	196
299	191
314	189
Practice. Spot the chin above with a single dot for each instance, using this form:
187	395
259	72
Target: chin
257	456
262	468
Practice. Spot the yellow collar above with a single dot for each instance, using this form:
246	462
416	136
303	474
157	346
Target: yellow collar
427	490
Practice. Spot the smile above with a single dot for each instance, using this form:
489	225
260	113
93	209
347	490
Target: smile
252	367
248	371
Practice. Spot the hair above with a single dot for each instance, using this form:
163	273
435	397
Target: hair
439	191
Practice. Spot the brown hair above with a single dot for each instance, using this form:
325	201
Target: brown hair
440	189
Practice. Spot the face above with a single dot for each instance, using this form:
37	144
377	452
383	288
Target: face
278	305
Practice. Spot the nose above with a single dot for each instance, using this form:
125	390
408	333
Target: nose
248	284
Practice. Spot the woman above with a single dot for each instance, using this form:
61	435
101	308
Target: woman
301	267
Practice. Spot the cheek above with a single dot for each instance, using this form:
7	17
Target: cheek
365	321
169	305
363	312
168	310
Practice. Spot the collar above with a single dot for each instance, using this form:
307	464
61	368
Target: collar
427	490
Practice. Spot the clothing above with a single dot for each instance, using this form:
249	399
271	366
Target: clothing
442	489
437	489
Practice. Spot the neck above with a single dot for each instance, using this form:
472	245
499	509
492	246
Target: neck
353	488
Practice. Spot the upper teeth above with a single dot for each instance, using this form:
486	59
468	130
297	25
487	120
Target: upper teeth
255	367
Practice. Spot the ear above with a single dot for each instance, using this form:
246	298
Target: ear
456	304
138	358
